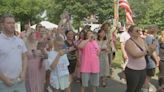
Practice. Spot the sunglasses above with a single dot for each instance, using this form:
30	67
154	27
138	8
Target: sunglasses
137	30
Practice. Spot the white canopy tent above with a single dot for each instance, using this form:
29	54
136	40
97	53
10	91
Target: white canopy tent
46	24
94	27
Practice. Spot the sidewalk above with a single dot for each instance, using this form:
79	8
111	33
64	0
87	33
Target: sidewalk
153	84
114	84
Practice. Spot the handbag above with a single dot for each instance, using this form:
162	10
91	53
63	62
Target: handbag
149	71
146	56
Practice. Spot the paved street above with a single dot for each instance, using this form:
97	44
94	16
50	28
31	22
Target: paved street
114	85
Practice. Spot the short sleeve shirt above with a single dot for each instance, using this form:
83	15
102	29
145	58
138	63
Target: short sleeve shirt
150	40
62	66
90	58
11	50
124	37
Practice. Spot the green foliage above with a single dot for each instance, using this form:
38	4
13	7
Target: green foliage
104	10
118	61
80	9
145	11
148	12
24	10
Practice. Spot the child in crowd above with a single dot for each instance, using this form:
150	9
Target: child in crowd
36	70
58	62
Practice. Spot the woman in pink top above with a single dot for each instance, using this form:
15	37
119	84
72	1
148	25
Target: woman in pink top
135	69
89	67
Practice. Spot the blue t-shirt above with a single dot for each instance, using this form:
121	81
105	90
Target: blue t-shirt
151	40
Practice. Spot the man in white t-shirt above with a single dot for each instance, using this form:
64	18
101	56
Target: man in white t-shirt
13	61
123	38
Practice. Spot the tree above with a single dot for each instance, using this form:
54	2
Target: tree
104	10
148	12
77	9
155	13
24	10
80	9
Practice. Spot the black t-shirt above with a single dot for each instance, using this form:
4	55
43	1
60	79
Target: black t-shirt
161	50
72	54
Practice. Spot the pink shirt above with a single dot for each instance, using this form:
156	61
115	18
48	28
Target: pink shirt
38	35
136	63
90	58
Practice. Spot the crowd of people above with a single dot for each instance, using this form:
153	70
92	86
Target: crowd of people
36	60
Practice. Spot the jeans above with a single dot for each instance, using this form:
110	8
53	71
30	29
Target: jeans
16	87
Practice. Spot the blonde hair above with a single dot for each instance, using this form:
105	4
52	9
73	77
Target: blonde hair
152	29
58	40
28	37
50	44
162	36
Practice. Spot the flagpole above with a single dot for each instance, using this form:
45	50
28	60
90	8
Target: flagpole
116	13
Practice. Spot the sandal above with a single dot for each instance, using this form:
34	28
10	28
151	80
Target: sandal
104	84
121	75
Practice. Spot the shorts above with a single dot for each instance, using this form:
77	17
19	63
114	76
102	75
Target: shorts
150	72
60	82
90	78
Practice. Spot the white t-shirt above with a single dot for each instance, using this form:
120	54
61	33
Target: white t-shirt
124	37
11	50
61	68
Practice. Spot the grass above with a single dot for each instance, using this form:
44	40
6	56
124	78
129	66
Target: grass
116	63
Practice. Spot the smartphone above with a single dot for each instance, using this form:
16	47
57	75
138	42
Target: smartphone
103	49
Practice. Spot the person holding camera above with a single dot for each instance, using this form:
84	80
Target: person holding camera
89	66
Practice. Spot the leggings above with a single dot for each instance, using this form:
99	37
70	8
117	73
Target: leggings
135	79
161	73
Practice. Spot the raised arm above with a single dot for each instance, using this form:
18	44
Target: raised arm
56	60
83	43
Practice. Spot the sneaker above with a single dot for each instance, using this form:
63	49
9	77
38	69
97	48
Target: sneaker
77	80
144	90
121	75
151	89
46	90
